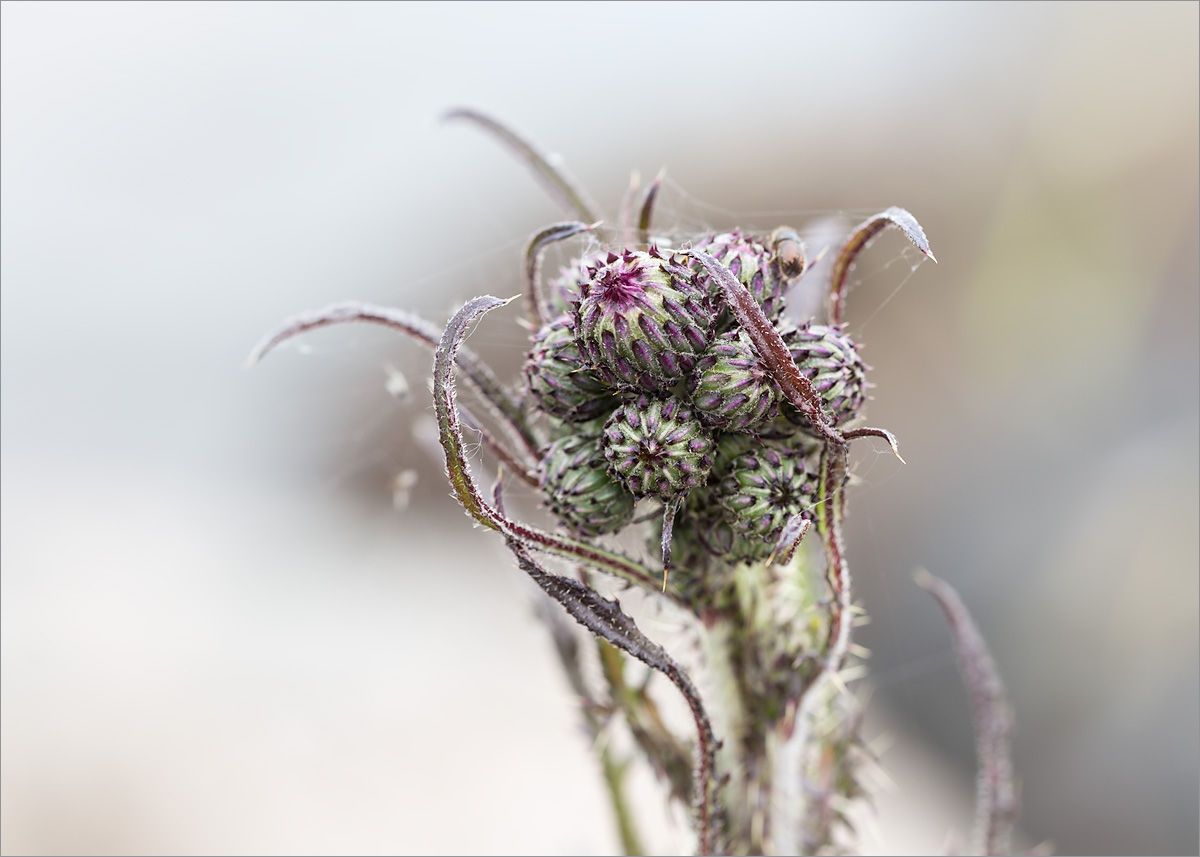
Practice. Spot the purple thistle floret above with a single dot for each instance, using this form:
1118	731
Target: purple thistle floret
657	447
731	389
641	321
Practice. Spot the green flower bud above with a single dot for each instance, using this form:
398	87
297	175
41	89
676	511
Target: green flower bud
580	491
752	262
701	529
560	381
767	487
657	447
641	321
829	359
731	389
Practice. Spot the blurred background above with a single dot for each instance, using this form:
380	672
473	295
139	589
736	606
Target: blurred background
223	631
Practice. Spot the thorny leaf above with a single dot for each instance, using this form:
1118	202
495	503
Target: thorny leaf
996	800
858	241
669	756
554	179
606	619
463	484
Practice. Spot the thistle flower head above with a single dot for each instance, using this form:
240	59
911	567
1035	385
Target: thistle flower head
731	389
829	359
641	320
560	381
574	478
764	489
657	447
752	262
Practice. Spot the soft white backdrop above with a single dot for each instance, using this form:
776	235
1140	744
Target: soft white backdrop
218	634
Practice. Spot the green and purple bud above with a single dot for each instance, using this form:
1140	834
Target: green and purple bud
560	380
641	321
731	388
830	361
766	488
754	263
657	447
579	489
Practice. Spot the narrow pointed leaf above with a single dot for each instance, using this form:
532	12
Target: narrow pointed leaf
504	407
556	181
996	799
790	536
607	620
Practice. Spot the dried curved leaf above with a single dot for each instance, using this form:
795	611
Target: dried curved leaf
463	484
880	433
554	179
996	799
857	242
535	301
606	619
504	407
797	389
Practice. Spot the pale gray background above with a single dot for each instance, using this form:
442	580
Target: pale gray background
218	634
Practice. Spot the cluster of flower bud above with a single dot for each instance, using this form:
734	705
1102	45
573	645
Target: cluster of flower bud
654	391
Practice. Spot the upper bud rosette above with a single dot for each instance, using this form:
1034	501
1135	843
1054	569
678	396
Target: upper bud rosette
642	321
731	389
560	380
574	478
657	447
829	359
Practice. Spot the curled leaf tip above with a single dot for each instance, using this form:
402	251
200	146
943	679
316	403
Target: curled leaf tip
880	433
857	242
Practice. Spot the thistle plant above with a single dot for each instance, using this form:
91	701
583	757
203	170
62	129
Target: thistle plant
666	394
